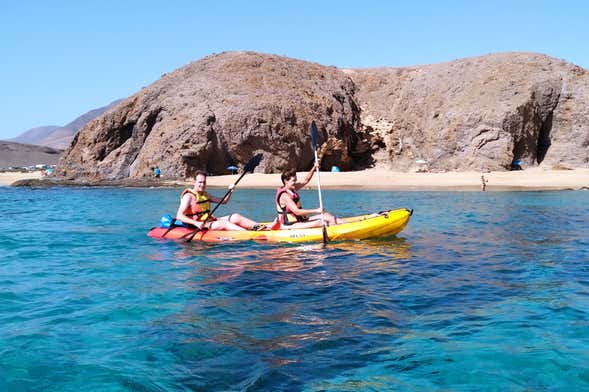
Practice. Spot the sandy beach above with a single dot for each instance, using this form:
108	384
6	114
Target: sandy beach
8	178
379	179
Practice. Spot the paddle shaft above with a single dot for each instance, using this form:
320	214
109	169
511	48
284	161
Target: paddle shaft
319	190
224	197
314	143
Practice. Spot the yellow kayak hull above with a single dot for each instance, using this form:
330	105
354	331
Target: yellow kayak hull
382	224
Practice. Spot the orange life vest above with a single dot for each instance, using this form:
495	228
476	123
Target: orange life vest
200	207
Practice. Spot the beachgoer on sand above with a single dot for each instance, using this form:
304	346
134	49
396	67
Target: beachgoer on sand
195	208
484	182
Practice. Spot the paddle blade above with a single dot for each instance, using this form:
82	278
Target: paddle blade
253	163
314	135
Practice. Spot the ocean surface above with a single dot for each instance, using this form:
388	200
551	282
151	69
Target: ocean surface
483	291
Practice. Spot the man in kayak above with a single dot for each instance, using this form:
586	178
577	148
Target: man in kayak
291	215
195	209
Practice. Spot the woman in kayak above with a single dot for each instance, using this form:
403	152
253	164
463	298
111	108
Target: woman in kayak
291	215
195	209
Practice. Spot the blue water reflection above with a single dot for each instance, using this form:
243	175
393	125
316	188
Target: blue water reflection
481	291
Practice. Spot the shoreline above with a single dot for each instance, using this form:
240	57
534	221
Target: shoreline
8	178
534	179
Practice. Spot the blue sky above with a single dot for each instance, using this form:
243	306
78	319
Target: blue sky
63	58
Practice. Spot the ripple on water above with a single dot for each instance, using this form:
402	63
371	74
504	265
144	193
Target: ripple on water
488	292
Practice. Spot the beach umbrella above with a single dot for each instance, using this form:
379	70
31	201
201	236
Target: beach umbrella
233	169
420	161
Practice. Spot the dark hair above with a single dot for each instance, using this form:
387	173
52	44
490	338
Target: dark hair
287	174
200	173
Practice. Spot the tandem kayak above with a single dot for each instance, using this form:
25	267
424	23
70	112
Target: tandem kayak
381	224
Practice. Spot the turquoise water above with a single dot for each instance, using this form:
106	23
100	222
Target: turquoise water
482	291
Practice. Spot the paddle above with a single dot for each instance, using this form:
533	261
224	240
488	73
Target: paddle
314	143
249	167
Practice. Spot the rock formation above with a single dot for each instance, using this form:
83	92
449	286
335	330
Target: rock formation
469	114
217	112
478	113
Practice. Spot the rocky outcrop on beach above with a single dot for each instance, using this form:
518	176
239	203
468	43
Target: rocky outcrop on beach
478	113
469	114
218	112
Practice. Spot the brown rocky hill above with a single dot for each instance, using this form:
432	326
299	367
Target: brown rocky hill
473	113
221	111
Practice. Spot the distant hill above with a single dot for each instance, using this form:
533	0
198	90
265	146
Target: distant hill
18	154
56	136
34	134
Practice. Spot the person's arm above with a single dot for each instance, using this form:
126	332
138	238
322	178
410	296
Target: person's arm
292	206
180	214
213	199
307	178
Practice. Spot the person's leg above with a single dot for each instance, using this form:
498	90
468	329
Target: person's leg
225	224
329	219
302	225
336	220
243	222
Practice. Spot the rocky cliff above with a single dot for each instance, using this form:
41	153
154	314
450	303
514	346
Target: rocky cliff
478	113
468	114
